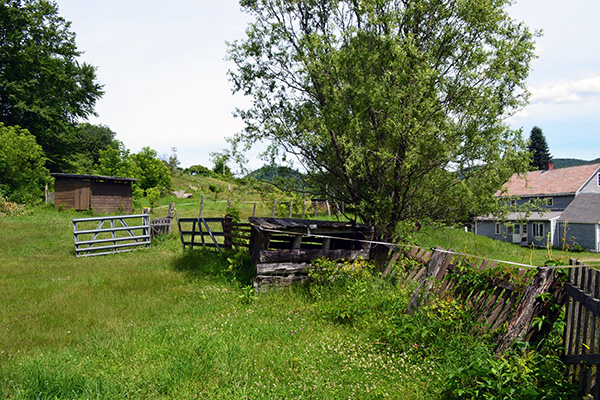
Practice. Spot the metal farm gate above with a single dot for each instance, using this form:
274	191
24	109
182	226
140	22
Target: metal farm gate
109	235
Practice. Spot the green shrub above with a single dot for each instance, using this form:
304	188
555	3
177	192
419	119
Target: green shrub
23	174
518	374
153	195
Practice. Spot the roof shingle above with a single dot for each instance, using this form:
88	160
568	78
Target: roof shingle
549	182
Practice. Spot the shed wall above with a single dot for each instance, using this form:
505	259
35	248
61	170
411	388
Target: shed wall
111	196
99	196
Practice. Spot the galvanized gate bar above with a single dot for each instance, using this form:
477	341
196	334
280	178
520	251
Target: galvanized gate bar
118	246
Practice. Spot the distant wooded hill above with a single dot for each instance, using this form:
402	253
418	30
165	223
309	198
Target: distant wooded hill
572	162
284	177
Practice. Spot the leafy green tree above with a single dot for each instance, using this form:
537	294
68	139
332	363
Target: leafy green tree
89	140
116	162
220	161
22	171
395	108
145	166
43	87
198	170
540	153
150	171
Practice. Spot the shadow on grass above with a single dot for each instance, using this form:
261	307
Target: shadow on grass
226	265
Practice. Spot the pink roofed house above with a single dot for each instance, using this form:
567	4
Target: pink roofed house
572	214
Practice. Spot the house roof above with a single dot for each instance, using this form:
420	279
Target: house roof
519	216
585	208
92	177
561	181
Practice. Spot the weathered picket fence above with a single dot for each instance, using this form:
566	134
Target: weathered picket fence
506	303
162	225
107	237
582	332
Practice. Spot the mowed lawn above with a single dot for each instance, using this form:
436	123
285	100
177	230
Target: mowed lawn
164	323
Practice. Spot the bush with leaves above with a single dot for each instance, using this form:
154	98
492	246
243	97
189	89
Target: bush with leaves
523	374
22	171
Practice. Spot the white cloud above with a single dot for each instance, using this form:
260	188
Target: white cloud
560	92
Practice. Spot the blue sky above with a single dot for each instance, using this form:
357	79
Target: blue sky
165	75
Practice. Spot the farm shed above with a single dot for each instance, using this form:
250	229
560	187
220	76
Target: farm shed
282	249
99	193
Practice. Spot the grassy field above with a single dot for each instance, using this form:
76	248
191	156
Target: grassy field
164	323
161	323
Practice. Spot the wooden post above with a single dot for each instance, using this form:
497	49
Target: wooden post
201	207
297	242
227	232
328	208
303	208
254	210
526	310
228	203
315	206
291	204
274	207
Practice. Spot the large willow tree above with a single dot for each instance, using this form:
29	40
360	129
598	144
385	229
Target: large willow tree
393	107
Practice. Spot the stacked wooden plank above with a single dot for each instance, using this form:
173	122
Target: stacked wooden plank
283	248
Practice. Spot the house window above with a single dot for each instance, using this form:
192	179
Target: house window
497	229
598	179
538	229
524	229
549	201
517	230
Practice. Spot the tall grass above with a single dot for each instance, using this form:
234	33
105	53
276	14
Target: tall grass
163	323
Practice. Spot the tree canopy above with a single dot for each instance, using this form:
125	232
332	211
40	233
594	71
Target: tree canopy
538	147
145	166
394	107
43	86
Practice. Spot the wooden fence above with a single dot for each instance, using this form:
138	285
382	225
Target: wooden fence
582	332
503	302
221	233
101	240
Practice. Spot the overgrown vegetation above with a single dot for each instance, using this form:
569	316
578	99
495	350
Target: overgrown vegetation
163	323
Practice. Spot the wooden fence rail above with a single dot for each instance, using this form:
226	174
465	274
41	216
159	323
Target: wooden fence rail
113	239
221	233
582	332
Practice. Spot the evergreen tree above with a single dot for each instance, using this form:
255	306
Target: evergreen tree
540	154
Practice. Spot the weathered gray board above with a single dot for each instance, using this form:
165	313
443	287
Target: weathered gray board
282	249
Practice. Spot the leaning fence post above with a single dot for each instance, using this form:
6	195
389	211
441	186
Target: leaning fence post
274	206
254	210
291	200
201	207
526	310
